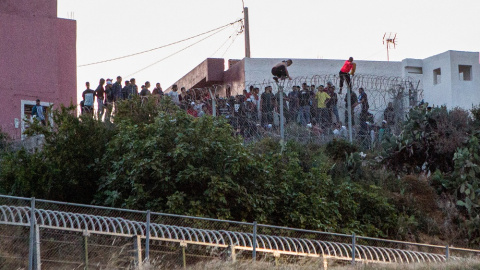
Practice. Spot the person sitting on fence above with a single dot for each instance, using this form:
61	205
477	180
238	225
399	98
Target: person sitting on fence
280	71
347	69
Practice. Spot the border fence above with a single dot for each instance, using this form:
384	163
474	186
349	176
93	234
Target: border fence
308	109
57	235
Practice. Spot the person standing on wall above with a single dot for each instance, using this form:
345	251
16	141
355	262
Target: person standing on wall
347	69
88	100
100	95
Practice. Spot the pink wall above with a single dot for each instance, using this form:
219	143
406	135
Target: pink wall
38	58
33	8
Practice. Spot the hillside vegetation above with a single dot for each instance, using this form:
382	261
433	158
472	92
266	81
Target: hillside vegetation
422	185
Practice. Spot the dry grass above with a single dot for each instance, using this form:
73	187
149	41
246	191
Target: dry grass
310	265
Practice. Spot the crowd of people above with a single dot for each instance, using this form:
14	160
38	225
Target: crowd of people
253	113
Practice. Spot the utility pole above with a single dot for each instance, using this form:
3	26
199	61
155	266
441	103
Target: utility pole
247	32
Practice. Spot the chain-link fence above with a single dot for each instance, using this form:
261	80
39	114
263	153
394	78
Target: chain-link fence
308	109
55	235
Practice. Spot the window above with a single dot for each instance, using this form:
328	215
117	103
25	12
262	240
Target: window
437	76
26	113
465	72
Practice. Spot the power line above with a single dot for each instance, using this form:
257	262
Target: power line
233	41
163	46
218	31
223	44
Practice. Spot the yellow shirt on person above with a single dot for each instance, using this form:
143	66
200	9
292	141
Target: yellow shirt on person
321	98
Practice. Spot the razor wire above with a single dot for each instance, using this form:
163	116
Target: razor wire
255	114
291	246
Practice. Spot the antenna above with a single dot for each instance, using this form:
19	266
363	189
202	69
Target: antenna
389	41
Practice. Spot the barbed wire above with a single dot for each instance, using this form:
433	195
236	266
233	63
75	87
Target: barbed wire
399	94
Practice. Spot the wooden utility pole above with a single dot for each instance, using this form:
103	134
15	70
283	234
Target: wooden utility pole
247	33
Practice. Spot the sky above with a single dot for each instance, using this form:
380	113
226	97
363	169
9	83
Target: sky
312	29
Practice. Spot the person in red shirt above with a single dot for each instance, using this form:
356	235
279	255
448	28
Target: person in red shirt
348	69
191	110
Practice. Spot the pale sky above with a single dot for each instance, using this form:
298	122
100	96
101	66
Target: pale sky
278	29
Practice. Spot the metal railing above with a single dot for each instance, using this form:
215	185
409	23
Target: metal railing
74	234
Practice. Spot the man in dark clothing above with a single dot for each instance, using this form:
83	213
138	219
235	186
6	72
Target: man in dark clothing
389	115
109	99
363	100
145	92
304	103
117	89
157	90
132	89
293	103
267	105
353	101
125	90
100	95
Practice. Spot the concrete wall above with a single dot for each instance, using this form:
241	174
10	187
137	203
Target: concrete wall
235	77
259	69
465	93
205	74
38	60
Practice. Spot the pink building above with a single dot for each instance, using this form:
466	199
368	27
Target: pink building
37	60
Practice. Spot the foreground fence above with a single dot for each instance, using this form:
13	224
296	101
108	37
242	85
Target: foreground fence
56	235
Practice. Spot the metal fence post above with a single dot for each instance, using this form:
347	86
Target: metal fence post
447	252
282	117
147	238
183	245
137	250
86	234
38	259
254	252
350	115
31	249
353	248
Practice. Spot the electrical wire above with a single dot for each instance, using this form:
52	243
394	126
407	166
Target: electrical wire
163	46
170	55
225	42
233	41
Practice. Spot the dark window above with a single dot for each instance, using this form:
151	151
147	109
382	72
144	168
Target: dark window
465	72
437	76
